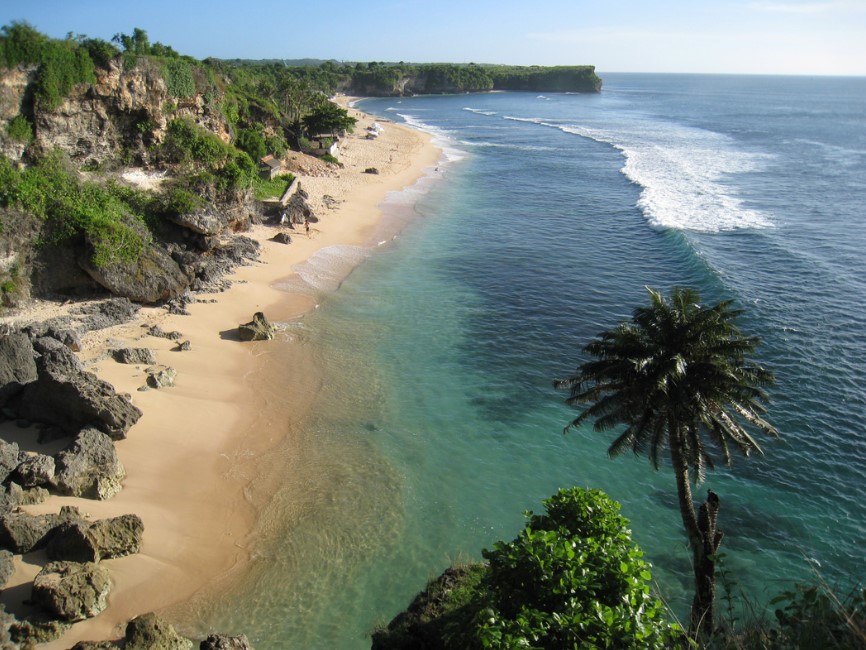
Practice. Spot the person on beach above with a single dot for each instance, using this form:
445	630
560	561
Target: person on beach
307	226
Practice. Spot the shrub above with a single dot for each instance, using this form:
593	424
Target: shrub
179	80
328	158
20	129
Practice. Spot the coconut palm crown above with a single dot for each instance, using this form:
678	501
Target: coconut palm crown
678	377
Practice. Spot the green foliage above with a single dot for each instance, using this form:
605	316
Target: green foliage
253	142
328	158
73	209
20	129
101	52
179	80
573	578
20	43
328	118
816	618
266	188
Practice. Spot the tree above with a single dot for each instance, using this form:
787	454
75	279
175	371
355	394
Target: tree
677	376
328	118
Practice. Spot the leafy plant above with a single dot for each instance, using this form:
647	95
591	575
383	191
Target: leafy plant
179	80
20	129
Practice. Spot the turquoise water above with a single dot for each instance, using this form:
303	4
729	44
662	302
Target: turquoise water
436	423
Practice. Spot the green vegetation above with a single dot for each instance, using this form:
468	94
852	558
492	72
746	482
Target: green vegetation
273	187
20	129
72	209
179	80
572	578
678	372
328	118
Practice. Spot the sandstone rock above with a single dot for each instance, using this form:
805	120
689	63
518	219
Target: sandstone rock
29	496
22	533
66	395
223	642
17	364
282	238
34	470
81	541
258	329
134	355
149	632
89	467
72	591
161	377
182	346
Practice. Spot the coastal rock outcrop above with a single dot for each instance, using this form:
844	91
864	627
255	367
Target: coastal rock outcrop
66	395
6	567
21	532
81	541
8	458
72	591
258	329
34	470
17	364
161	377
134	355
89	467
223	642
149	632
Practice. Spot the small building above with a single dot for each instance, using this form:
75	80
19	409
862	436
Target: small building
270	166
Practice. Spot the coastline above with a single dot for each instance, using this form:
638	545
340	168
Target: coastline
195	455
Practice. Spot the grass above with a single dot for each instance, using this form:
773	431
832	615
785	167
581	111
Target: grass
274	187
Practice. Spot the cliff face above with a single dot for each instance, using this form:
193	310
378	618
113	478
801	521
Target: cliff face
125	110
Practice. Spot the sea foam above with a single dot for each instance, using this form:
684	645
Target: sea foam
441	137
685	172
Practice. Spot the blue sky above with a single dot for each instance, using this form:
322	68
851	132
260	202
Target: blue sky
718	36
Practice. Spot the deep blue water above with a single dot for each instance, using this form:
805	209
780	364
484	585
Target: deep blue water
437	424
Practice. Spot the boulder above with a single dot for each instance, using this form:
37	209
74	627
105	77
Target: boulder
134	355
183	346
8	458
95	645
89	467
161	377
152	277
17	364
34	470
203	221
6	567
27	497
72	398
68	337
282	238
223	642
72	591
22	533
35	630
149	632
81	541
258	329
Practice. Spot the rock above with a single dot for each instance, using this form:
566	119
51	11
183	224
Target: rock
22	533
151	277
158	332
161	377
36	630
95	645
282	238
82	541
34	470
149	632
371	170
8	458
68	337
29	497
89	467
203	222
17	364
258	329
72	398
183	347
6	567
134	355
223	642
72	591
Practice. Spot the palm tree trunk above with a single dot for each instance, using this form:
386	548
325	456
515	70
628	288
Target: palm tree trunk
702	563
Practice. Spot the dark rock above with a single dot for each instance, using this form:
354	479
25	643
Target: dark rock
8	458
8	500
371	170
223	642
134	355
6	567
153	276
106	313
17	364
34	470
89	467
161	377
222	260
149	632
68	337
66	395
258	329
183	346
72	591
81	541
96	645
157	331
37	630
282	238
22	533
204	221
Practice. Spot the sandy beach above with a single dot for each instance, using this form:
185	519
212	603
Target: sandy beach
198	453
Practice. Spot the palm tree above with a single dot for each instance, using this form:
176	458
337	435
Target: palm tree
677	376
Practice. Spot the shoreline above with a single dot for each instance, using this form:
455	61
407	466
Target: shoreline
194	459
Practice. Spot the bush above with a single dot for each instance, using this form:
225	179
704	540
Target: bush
179	80
20	129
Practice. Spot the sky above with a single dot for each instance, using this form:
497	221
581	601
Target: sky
809	37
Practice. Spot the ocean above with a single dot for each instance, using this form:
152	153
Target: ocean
435	423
